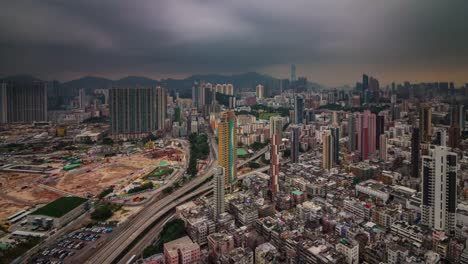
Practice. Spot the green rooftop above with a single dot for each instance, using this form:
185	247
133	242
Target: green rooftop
241	152
60	207
296	192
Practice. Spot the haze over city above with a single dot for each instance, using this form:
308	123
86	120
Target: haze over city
234	132
332	42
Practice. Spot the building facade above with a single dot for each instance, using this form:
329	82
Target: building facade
439	190
227	145
23	102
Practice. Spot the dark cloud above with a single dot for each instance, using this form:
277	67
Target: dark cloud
330	41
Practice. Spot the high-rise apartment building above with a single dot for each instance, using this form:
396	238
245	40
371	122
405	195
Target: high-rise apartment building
351	133
327	151
439	189
415	152
276	125
293	73
136	112
335	133
380	129
274	165
298	110
227	145
218	192
295	137
260	91
425	123
23	102
366	130
454	136
383	147
161	108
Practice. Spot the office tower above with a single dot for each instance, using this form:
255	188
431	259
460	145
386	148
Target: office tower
327	150
380	129
335	133
218	192
227	145
366	129
415	152
276	125
260	90
439	189
298	110
351	133
293	72
425	123
136	112
23	102
454	136
295	134
383	147
274	166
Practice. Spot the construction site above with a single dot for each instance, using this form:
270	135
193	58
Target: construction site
27	186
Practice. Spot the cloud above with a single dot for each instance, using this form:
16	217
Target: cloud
330	41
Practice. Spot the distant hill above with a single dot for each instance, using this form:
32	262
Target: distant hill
242	82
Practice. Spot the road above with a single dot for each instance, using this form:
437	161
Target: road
148	239
258	154
149	215
154	211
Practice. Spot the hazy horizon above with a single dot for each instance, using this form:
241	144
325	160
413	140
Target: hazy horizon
331	42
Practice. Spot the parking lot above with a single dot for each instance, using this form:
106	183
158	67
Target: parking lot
66	248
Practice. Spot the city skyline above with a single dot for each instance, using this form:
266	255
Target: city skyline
330	43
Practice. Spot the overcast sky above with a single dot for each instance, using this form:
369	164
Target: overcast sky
331	41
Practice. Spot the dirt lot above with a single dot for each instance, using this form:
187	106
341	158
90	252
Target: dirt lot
94	179
19	191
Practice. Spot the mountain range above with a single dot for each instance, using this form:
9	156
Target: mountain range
245	81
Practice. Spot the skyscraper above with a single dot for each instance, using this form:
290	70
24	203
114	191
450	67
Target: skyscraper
195	94
274	166
366	129
383	147
218	192
23	101
351	133
335	133
380	129
136	112
454	136
298	110
327	151
415	152
260	91
365	89
439	189
161	108
227	145
425	123
276	126
295	134
293	73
